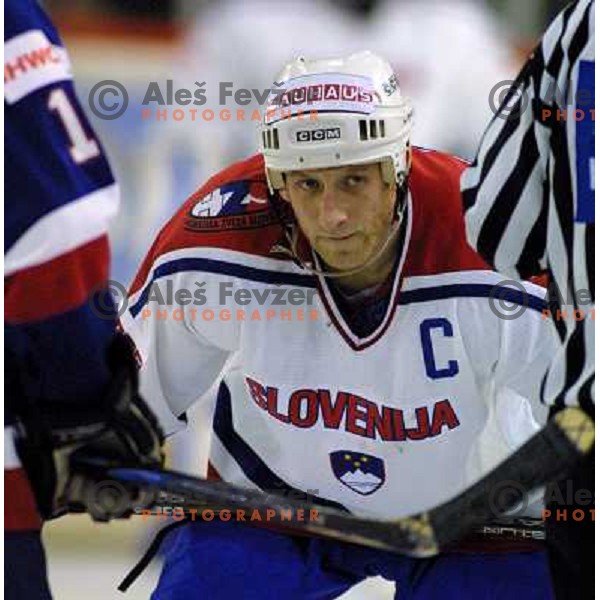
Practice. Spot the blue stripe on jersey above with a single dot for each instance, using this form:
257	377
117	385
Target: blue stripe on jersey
251	464
205	265
45	363
40	173
442	292
473	290
585	158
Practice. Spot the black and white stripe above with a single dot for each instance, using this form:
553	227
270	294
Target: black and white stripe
521	194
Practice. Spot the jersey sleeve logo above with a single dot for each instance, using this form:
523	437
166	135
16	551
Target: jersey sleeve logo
238	205
31	62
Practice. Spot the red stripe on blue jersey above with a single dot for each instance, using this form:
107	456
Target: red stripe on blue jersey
20	511
55	340
56	286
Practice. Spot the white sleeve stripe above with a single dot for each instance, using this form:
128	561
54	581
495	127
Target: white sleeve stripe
11	458
64	229
31	62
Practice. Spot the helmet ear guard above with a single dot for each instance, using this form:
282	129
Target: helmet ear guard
275	179
389	172
337	112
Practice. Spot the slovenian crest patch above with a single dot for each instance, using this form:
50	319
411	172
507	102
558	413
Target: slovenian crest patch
362	473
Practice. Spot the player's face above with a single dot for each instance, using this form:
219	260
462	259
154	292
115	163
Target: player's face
345	212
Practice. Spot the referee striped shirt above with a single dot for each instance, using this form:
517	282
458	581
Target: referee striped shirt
529	195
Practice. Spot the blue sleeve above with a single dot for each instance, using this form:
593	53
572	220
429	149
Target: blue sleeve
60	195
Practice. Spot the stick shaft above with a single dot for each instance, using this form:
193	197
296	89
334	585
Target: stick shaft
546	456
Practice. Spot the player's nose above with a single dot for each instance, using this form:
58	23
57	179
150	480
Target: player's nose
333	216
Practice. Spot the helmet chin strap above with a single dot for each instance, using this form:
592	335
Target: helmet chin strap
310	266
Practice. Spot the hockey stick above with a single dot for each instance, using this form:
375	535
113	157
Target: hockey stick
547	456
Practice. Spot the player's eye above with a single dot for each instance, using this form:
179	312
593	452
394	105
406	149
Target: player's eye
307	184
354	181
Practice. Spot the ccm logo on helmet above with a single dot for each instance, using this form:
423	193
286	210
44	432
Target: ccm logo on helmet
318	135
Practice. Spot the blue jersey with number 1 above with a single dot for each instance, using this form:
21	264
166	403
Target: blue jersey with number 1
60	196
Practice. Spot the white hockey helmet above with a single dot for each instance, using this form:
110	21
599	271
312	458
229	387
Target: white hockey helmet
336	112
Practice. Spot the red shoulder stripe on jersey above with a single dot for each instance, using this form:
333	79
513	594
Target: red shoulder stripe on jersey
20	512
438	242
56	286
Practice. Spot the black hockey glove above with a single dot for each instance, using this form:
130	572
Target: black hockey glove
53	440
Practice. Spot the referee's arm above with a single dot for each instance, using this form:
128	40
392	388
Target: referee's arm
504	191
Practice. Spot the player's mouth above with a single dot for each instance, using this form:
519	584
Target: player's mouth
337	238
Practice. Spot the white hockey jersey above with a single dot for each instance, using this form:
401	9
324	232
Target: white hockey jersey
384	421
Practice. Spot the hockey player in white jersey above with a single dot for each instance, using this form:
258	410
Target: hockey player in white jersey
328	284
